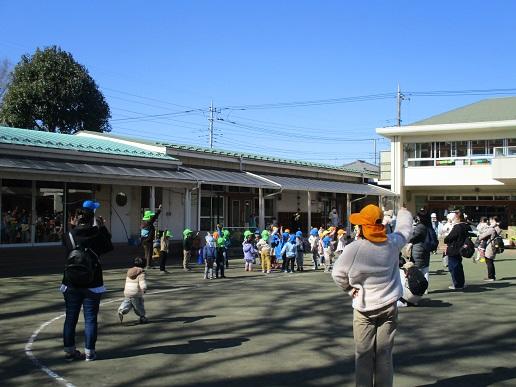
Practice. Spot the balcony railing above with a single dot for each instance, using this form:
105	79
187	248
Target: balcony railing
505	151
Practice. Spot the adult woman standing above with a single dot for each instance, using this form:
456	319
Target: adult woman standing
91	237
420	252
455	241
368	271
489	235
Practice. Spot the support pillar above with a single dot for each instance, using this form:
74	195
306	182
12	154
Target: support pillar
261	209
188	208
348	213
309	207
199	197
152	199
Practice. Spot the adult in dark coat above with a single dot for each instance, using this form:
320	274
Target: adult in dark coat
420	252
148	232
454	241
89	233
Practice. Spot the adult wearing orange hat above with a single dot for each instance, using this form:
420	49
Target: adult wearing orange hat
368	270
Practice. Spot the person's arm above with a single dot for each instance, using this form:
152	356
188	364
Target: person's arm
487	233
142	283
284	249
340	272
453	235
403	229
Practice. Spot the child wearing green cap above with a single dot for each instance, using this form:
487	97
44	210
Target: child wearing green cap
163	253
187	248
220	258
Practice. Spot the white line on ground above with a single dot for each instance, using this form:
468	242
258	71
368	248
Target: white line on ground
58	378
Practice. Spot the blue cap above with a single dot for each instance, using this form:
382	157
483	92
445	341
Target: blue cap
314	232
292	239
90	205
299	234
257	231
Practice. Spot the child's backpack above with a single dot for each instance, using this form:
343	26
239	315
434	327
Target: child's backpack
498	245
80	265
430	244
306	245
416	281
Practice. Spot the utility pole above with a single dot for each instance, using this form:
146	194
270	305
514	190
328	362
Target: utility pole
399	97
374	142
210	133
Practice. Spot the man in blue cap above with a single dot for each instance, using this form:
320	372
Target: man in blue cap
83	284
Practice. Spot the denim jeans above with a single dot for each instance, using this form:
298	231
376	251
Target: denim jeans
456	270
89	301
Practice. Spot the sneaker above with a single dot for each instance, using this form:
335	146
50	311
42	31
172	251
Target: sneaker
121	316
268	272
451	287
285	271
489	279
75	355
144	320
91	356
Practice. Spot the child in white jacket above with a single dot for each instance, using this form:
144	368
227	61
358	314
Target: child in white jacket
135	287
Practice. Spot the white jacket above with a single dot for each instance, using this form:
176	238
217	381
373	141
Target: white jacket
373	268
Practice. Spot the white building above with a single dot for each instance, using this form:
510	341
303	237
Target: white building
462	158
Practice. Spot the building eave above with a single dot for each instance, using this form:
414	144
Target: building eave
465	127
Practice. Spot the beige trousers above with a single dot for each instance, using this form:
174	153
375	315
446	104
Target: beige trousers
187	254
374	332
266	259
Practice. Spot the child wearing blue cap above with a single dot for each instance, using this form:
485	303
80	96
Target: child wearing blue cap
289	252
313	239
300	251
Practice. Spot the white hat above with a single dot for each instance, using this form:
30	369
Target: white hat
433	215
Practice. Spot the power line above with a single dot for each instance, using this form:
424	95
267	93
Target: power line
330	101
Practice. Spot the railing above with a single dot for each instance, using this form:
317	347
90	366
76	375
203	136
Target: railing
509	151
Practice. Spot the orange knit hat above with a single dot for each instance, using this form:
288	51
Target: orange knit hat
370	218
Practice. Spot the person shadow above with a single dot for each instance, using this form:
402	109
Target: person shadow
192	347
184	320
497	375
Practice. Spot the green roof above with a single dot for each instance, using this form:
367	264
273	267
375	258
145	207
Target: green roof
495	109
38	138
223	152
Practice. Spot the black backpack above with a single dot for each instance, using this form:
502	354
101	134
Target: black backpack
80	265
431	241
416	281
468	248
498	245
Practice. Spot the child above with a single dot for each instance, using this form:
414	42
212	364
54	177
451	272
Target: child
341	242
284	261
327	251
249	250
209	252
219	258
265	252
289	252
163	253
314	246
227	245
274	243
300	251
135	287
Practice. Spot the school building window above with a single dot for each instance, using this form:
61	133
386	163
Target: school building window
212	212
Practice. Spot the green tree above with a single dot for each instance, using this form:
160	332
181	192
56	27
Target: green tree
5	73
50	91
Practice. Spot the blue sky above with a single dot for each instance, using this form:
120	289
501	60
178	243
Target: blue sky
161	57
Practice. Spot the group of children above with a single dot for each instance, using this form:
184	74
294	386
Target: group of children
274	249
279	248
